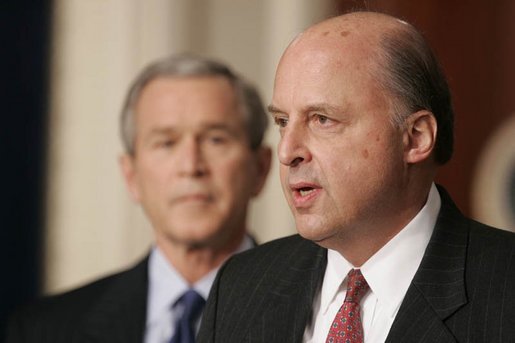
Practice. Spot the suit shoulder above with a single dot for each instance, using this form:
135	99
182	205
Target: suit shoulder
484	238
66	305
272	258
491	258
277	249
62	312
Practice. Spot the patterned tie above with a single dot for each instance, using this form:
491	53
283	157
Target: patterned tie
346	326
192	303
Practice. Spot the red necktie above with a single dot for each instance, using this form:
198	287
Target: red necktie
346	326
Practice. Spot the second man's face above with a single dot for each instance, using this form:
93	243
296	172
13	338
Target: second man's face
193	170
341	157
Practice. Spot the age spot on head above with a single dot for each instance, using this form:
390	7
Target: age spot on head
344	33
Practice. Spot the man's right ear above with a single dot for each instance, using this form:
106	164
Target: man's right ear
130	175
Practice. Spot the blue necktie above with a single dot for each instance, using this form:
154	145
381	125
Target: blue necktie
192	303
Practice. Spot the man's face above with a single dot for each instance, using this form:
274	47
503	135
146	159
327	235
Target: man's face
341	158
193	170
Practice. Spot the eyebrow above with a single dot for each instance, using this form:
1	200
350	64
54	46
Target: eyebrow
322	106
218	126
272	109
162	131
205	127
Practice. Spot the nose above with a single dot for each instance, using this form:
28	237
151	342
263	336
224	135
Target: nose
292	149
191	160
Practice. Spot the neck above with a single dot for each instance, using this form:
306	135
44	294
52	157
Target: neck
194	262
360	244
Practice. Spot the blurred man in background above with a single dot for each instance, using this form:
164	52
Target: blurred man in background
193	132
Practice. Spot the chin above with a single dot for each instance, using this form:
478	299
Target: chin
318	232
193	235
314	234
194	242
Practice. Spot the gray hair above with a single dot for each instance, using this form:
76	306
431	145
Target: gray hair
256	119
414	77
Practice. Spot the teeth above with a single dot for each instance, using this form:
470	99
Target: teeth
305	192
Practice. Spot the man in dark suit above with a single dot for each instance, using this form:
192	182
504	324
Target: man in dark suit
192	131
365	118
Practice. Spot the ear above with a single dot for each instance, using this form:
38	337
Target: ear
419	137
263	161
129	175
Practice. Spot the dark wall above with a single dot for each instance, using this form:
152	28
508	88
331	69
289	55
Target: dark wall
25	36
475	43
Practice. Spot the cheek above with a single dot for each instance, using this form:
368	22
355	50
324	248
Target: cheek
283	177
151	180
235	177
283	172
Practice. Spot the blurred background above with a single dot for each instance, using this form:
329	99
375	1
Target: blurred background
68	63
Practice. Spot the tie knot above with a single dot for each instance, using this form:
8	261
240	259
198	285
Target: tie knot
357	286
192	303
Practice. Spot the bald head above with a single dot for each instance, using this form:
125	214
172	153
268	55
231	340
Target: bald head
389	51
349	27
355	35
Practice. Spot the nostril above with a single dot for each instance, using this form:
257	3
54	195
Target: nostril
296	161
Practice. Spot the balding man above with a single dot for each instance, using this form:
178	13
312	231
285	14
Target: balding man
365	118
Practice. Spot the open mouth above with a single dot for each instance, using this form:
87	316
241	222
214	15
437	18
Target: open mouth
304	195
304	191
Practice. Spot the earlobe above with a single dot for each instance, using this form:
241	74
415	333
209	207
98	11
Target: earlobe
129	175
420	136
263	164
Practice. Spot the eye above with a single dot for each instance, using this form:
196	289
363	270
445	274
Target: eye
281	121
165	143
217	139
321	119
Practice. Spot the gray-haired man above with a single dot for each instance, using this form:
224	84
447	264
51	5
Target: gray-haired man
194	158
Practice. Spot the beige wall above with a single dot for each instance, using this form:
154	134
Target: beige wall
99	46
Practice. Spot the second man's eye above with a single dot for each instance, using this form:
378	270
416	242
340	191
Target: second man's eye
217	139
165	143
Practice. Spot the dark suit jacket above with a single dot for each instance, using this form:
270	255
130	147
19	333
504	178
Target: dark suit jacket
112	310
463	291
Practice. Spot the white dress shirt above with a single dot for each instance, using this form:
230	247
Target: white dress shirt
388	273
165	287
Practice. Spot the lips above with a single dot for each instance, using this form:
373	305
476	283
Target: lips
193	198
304	194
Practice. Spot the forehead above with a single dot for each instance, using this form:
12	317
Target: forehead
327	71
187	100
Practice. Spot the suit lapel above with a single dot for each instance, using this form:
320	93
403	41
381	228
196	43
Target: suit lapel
293	296
438	288
120	314
273	302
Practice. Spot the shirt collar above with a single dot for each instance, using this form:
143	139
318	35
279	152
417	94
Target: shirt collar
166	285
390	270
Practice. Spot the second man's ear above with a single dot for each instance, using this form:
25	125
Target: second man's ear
263	164
129	175
419	136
